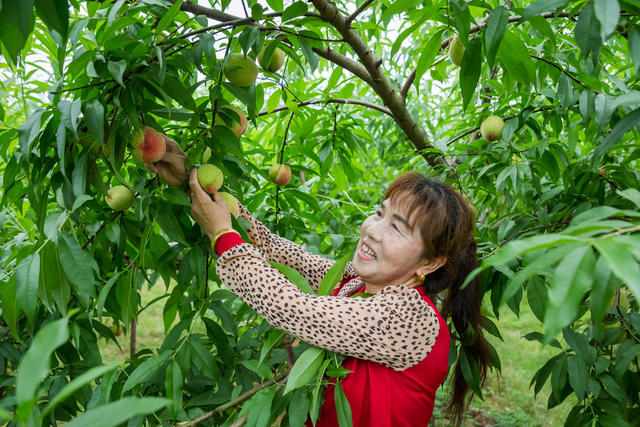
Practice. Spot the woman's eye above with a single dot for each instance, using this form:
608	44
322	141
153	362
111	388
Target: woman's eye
378	213
395	227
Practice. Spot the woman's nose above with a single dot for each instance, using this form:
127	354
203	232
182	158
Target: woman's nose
373	229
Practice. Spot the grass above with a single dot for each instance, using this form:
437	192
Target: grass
508	400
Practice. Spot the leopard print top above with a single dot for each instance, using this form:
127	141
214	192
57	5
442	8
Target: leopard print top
395	327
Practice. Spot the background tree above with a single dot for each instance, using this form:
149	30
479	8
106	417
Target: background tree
367	91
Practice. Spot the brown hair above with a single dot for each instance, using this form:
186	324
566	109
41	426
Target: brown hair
446	224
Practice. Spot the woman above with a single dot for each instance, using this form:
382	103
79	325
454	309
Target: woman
417	244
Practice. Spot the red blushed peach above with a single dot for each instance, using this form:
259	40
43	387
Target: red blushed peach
148	145
280	174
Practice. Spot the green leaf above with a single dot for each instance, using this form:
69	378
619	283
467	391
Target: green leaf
170	225
10	308
78	266
275	338
333	276
294	276
309	54
587	31
625	125
398	6
143	371
426	13
220	340
608	13
470	371
168	17
316	396
571	279
343	409
631	194
602	291
27	278
259	408
298	408
578	374
470	70
55	14
579	343
298	8
34	366
117	70
459	11
515	58
427	56
94	114
115	413
173	386
305	368
634	47
622	262
276	5
16	21
541	6
494	31
75	385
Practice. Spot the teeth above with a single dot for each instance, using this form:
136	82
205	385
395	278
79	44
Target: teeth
365	250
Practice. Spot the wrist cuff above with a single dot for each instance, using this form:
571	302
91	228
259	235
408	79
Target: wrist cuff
226	241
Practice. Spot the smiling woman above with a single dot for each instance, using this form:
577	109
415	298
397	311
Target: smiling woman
418	245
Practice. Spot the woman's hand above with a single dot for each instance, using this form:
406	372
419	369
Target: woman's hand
212	215
171	168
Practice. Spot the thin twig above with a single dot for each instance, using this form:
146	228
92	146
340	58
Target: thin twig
358	11
284	144
562	70
235	402
331	101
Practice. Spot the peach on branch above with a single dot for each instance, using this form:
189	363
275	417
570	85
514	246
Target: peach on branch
280	174
119	198
210	178
491	128
275	62
456	50
148	145
233	118
232	202
241	70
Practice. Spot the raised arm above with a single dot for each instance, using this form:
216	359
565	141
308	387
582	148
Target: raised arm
395	327
275	248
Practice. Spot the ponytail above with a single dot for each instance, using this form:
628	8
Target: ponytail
464	308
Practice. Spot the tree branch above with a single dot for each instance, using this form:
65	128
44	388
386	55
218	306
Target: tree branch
332	101
409	81
380	83
227	19
235	402
358	11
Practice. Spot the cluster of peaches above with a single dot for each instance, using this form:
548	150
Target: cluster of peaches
149	146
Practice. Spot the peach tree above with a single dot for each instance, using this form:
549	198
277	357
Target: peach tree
367	89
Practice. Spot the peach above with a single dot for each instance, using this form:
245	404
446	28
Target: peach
280	174
148	145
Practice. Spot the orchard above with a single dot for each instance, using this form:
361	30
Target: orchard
304	112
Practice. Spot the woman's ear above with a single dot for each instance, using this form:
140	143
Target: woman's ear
431	265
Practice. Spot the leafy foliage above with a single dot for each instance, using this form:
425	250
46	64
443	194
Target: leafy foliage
556	197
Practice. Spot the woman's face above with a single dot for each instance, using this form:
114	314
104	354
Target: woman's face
389	251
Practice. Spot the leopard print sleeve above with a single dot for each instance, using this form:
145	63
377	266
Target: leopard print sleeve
395	327
312	267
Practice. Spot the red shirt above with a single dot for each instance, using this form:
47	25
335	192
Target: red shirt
378	395
382	397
